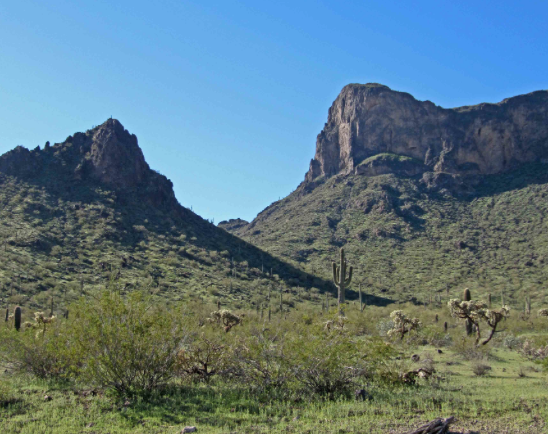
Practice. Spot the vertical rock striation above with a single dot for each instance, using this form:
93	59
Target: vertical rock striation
371	119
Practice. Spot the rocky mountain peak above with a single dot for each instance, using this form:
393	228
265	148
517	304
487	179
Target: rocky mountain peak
113	156
367	120
107	154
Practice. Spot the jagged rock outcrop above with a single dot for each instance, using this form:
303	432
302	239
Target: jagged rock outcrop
233	225
106	154
366	120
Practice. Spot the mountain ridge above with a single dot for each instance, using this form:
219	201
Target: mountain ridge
415	228
78	213
365	120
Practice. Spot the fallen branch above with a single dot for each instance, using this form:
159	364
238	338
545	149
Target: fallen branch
438	426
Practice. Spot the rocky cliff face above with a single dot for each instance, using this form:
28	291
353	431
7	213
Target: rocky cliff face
366	120
107	154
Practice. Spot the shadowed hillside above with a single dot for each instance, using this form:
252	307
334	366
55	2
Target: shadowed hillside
77	214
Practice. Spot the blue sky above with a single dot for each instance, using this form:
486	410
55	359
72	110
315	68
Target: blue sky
227	97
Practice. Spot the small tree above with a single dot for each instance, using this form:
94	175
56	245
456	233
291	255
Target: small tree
477	312
402	324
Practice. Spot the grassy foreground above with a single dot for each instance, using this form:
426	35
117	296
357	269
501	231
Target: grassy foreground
509	397
502	402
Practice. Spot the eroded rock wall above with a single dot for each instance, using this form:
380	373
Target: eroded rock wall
369	119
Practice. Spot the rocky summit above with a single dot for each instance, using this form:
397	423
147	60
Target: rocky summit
371	119
107	154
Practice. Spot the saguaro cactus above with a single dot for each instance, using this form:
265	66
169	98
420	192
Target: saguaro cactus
17	318
466	296
339	278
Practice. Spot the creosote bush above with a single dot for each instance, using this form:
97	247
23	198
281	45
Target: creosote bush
327	365
480	369
130	345
49	355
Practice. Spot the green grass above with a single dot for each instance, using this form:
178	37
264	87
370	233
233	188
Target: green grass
497	403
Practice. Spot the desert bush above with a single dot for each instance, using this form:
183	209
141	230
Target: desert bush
204	357
50	355
512	342
436	336
533	352
263	361
326	365
384	326
5	393
130	345
481	369
466	349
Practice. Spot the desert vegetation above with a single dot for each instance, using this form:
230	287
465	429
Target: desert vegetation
382	308
123	361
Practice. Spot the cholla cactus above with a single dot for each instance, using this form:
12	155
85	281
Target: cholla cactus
466	296
40	322
543	312
477	312
402	324
227	318
335	324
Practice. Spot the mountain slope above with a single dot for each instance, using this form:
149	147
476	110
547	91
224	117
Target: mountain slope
90	209
413	230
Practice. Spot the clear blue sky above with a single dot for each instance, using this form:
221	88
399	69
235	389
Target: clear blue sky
227	97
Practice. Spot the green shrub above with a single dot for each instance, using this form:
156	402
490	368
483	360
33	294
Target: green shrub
263	361
50	355
205	356
481	369
6	396
326	365
130	345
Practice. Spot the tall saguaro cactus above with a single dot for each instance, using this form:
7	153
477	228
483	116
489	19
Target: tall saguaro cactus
17	318
340	280
466	296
